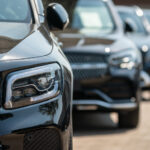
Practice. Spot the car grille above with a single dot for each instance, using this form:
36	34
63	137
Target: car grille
45	139
88	73
87	66
118	89
85	58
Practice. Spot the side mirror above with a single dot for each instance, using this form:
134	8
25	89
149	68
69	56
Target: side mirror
57	17
129	26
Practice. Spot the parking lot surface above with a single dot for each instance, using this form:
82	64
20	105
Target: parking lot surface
100	132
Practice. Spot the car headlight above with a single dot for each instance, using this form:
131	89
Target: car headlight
144	48
126	59
33	85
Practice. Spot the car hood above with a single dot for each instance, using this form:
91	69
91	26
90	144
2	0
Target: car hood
22	41
136	38
75	41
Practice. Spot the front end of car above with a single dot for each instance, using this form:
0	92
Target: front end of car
109	81
35	110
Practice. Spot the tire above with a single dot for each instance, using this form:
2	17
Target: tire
129	119
70	142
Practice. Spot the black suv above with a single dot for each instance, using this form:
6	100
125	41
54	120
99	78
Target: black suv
105	63
137	29
35	78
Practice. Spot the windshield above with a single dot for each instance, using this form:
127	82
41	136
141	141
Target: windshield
93	15
15	11
136	21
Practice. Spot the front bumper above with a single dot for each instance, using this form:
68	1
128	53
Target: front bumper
36	127
127	105
45	125
100	83
42	138
112	92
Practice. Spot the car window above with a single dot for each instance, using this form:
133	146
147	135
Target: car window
15	11
135	19
92	14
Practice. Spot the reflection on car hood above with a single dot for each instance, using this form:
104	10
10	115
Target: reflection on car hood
140	39
75	41
21	41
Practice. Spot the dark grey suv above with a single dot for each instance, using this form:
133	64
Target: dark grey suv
106	64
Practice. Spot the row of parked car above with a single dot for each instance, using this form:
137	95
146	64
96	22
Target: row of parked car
106	47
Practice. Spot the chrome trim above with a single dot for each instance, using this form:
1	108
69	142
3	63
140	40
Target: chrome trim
35	15
101	95
79	66
12	77
33	85
47	95
119	106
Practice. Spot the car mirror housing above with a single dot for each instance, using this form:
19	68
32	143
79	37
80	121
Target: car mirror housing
57	16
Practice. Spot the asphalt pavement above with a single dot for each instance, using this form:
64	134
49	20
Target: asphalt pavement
97	131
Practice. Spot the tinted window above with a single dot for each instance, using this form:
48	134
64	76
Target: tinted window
15	11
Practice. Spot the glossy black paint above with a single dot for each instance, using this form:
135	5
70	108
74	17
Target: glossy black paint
57	16
83	47
26	46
